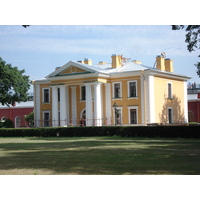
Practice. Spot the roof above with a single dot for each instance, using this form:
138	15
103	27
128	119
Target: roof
106	69
27	104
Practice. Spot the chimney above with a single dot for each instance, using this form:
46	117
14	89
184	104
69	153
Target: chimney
102	62
169	65
80	61
160	63
116	60
87	61
57	68
137	61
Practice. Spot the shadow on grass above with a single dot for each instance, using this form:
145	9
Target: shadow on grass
102	156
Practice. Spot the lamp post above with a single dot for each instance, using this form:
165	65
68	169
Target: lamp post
115	109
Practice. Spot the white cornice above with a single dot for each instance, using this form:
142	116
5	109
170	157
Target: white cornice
167	75
79	76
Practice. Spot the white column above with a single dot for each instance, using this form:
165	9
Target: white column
151	99
89	116
108	104
54	106
185	103
63	106
74	107
97	104
37	105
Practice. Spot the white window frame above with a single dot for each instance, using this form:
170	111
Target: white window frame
81	92
129	114
43	95
113	90
170	108
168	90
121	109
17	121
43	112
136	97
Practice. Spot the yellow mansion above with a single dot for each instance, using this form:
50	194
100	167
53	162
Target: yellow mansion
123	92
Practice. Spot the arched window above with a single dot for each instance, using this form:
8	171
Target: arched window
190	116
17	121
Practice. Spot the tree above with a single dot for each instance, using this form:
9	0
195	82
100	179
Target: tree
30	118
13	84
192	38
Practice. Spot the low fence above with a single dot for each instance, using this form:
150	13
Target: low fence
78	122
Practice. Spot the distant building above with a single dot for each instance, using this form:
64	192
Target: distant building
122	92
194	103
18	112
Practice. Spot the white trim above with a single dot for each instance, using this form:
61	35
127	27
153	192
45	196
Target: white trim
133	81
151	99
80	88
170	108
43	95
113	91
108	103
142	91
43	112
37	106
171	90
17	121
129	117
118	108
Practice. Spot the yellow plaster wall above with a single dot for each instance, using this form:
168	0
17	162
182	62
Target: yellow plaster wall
162	103
125	101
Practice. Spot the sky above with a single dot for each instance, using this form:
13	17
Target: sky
39	49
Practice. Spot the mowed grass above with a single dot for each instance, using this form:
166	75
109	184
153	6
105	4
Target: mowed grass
99	156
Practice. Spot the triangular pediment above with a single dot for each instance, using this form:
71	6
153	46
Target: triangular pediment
72	68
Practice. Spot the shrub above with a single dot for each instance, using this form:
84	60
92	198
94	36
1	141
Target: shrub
123	131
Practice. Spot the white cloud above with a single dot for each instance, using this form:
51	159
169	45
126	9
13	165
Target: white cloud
103	40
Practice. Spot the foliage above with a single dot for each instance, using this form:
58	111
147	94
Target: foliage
30	118
123	131
6	123
192	39
13	84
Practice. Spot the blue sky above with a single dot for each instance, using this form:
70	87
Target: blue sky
40	49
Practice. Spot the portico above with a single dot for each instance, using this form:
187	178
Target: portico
64	112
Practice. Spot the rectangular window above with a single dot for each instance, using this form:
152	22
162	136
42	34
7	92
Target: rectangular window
133	116
83	93
169	90
46	95
46	119
118	116
117	90
132	89
170	116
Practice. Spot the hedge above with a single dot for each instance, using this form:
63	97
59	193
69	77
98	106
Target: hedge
123	131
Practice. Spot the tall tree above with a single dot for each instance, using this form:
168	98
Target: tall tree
13	84
192	38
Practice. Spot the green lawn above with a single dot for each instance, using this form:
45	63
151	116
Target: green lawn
99	155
